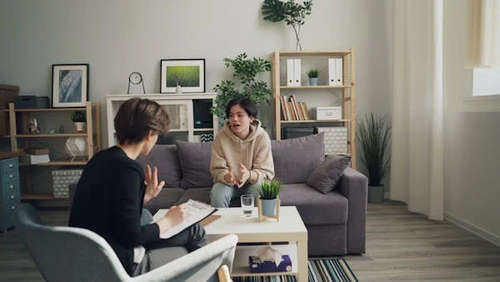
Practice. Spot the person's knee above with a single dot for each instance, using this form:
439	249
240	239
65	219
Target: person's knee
220	195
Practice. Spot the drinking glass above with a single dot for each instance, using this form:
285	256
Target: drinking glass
247	204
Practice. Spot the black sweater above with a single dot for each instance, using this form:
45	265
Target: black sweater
108	201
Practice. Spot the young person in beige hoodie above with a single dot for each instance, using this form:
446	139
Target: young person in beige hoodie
241	154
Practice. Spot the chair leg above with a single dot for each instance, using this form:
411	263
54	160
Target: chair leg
223	274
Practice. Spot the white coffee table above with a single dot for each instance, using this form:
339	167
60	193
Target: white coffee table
290	229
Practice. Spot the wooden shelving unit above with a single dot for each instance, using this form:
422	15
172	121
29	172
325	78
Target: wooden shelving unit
345	92
20	140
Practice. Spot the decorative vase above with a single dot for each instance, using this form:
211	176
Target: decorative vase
313	81
80	126
178	89
375	194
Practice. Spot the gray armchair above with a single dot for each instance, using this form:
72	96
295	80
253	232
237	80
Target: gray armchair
76	254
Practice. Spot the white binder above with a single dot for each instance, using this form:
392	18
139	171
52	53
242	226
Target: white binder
290	73
332	78
339	70
297	72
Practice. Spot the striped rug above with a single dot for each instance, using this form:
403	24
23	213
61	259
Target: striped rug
335	270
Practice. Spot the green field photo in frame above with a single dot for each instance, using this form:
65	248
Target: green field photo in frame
187	73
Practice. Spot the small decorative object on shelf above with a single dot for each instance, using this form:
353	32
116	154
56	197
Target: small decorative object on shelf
269	203
80	120
313	77
135	78
33	126
76	147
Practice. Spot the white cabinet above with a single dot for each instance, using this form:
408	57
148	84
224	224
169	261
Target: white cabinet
186	122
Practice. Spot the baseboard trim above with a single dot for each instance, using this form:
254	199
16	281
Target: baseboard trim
488	236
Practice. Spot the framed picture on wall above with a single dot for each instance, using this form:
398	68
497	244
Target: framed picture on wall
189	74
70	85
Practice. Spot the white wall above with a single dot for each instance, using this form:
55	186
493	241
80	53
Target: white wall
117	37
472	154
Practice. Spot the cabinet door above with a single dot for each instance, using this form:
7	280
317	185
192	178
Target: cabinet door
180	113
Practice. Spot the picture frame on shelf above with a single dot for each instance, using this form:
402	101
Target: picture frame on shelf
189	74
70	85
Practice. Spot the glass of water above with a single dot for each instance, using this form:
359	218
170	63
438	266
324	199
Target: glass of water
247	204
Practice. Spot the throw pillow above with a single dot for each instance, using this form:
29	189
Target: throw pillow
195	164
296	158
326	176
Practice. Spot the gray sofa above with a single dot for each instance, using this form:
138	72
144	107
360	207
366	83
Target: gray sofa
336	220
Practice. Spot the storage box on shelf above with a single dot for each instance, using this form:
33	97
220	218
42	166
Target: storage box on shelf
61	180
329	104
56	132
189	113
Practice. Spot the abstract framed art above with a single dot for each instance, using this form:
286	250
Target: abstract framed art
70	85
188	73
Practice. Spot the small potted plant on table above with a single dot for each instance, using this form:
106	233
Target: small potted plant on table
269	202
80	120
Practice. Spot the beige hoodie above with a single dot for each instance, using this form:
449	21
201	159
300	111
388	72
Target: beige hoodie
254	152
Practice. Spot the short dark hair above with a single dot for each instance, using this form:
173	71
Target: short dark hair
136	117
245	103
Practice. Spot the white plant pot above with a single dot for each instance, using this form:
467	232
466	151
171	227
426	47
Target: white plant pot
80	126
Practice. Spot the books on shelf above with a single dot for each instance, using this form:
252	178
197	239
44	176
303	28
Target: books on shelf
293	109
37	151
35	159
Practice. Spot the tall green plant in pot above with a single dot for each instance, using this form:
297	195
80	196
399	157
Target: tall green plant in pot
246	71
374	135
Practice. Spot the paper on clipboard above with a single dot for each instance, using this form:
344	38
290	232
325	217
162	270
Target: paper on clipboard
195	212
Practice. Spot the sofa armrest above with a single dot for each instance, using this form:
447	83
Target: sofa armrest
354	186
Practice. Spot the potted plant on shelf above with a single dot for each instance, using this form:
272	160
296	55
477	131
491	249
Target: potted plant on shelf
246	70
291	12
79	118
268	202
313	77
374	134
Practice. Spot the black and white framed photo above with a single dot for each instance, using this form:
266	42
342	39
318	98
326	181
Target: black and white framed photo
186	73
70	85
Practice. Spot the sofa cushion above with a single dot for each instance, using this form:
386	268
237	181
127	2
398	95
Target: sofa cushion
315	207
195	163
295	159
165	158
326	176
198	194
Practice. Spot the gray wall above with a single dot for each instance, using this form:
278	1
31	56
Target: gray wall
120	36
471	140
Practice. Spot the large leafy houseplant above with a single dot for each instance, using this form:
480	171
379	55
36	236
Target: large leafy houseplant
374	135
289	11
245	70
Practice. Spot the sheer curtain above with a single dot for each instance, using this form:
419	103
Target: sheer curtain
482	31
417	141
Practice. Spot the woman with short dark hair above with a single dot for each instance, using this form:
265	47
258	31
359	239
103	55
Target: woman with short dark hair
114	187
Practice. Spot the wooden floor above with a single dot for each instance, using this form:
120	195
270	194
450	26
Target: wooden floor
401	246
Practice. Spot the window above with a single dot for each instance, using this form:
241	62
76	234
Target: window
486	82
